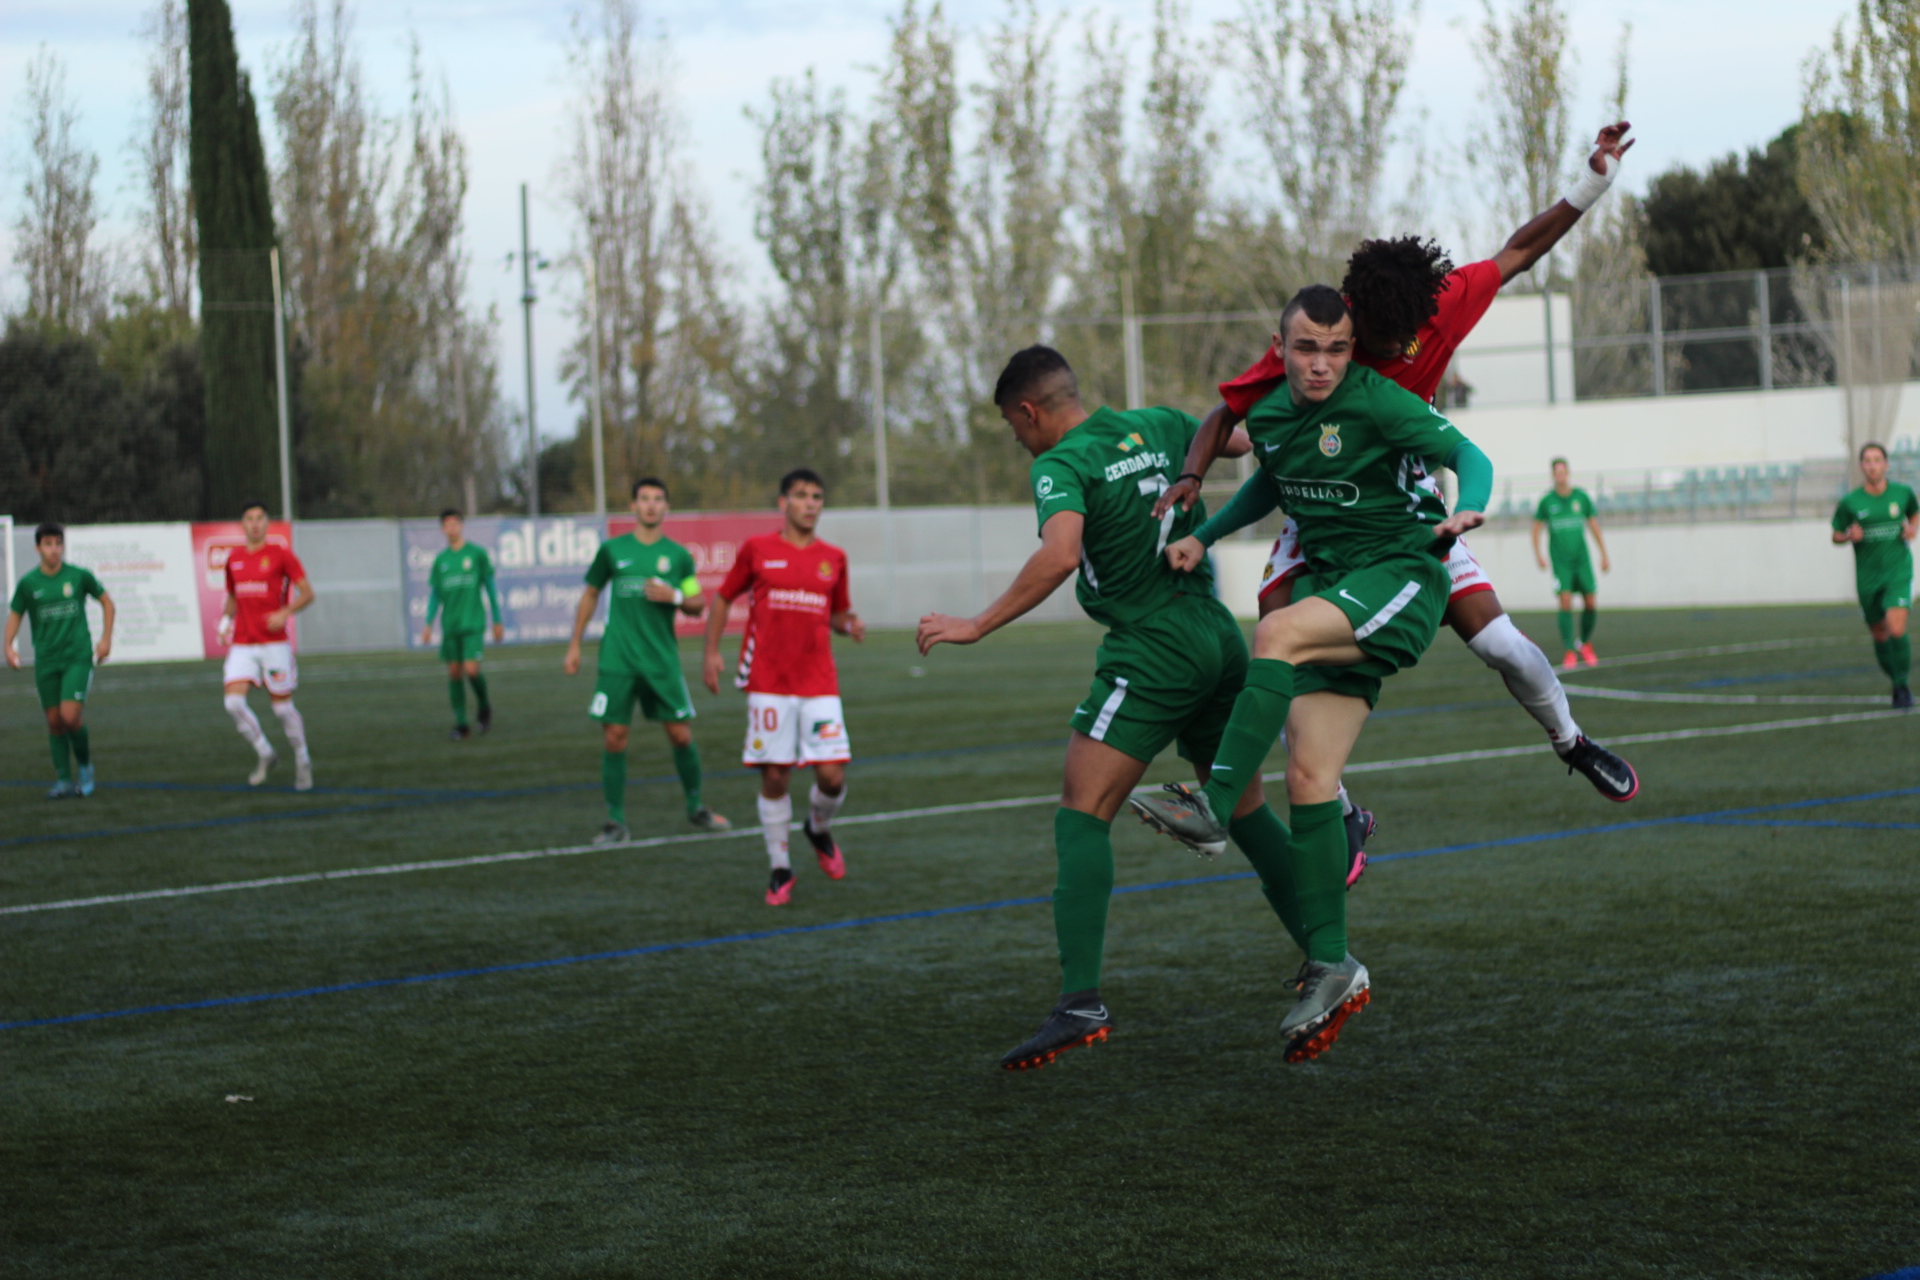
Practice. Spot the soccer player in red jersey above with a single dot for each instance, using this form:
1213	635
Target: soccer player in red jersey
266	586
1411	310
799	587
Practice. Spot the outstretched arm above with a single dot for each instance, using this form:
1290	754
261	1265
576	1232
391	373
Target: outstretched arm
1045	569
1536	239
1214	439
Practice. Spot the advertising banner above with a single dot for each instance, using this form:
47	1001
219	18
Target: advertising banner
714	538
212	544
148	570
538	568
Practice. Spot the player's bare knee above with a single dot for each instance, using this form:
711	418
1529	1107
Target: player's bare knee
1309	784
615	737
679	733
774	779
830	778
1896	625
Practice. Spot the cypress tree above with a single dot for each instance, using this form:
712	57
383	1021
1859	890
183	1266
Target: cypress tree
233	205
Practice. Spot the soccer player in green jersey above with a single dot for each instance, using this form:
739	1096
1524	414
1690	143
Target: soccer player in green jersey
1566	513
1879	519
1167	672
1337	443
652	578
54	597
459	577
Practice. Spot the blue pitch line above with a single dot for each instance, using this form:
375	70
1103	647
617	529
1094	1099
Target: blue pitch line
1781	677
761	935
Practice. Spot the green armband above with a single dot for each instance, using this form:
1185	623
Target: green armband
1474	470
1257	498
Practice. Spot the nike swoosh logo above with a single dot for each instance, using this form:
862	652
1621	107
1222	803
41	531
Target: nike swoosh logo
1619	784
1098	1015
1270	448
621	564
1221	768
1356	600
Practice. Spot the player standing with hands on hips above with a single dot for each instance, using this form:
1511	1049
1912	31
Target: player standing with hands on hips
54	598
258	610
794	717
1878	520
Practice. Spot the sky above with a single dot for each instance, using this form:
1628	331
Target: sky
1707	77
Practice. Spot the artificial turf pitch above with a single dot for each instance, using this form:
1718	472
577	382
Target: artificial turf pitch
1684	1048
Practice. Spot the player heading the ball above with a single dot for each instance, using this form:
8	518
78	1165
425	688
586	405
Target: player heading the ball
53	598
1878	520
794	718
651	579
266	586
461	575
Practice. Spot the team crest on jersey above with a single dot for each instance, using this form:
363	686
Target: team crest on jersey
1330	440
1413	349
263	562
1893	508
66	589
826	571
466	562
1044	486
665	564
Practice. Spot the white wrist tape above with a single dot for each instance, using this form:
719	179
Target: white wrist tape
1592	185
679	596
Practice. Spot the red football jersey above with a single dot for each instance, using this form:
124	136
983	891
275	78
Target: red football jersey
788	648
260	582
1464	298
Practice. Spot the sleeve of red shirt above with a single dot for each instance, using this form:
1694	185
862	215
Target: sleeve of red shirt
291	566
228	571
842	594
740	576
1266	373
1468	293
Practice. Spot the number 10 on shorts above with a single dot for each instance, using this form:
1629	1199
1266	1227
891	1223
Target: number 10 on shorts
792	730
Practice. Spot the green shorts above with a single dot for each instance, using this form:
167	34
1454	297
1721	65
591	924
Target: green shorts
63	681
1881	594
1573	576
461	646
661	697
1395	607
1172	678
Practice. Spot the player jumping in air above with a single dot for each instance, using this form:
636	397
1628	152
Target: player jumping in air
1168	670
1566	513
800	597
459	576
653	579
1411	310
1879	519
54	597
1337	442
259	576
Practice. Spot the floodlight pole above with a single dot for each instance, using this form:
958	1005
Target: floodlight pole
526	305
280	380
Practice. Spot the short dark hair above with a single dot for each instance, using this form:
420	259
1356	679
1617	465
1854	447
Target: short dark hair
1872	444
1029	367
1559	462
451	513
801	475
1393	286
49	529
649	482
1322	303
251	505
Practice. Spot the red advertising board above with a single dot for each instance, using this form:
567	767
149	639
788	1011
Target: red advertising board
714	539
212	544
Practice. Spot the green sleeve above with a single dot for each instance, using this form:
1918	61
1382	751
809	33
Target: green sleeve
486	580
1256	498
1913	506
1540	509
433	596
1474	470
1412	425
1057	487
601	569
91	585
20	598
1842	517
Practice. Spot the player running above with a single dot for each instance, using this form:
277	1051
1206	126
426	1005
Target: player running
261	577
1168	670
459	576
653	579
1411	310
1337	441
54	597
1566	513
800	597
1880	518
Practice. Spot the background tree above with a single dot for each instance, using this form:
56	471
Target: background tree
55	246
161	150
1522	148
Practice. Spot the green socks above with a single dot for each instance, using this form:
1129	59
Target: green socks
1264	841
613	781
1566	630
1259	714
1320	879
457	695
686	763
1895	658
1084	847
480	692
1589	619
62	767
82	745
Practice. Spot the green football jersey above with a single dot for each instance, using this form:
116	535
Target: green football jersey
639	637
55	606
1566	520
1110	469
457	582
1883	551
1355	471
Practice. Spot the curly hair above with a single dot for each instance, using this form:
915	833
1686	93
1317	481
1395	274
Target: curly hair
1394	286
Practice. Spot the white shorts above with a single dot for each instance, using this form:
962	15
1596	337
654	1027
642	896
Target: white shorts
1287	562
271	665
787	730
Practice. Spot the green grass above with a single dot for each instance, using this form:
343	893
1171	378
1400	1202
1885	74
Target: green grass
1670	1050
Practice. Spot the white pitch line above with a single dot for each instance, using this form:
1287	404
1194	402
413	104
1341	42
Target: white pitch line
1732	699
896	815
1719	650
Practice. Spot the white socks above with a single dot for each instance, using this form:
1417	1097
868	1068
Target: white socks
296	727
1530	678
822	807
776	817
248	724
